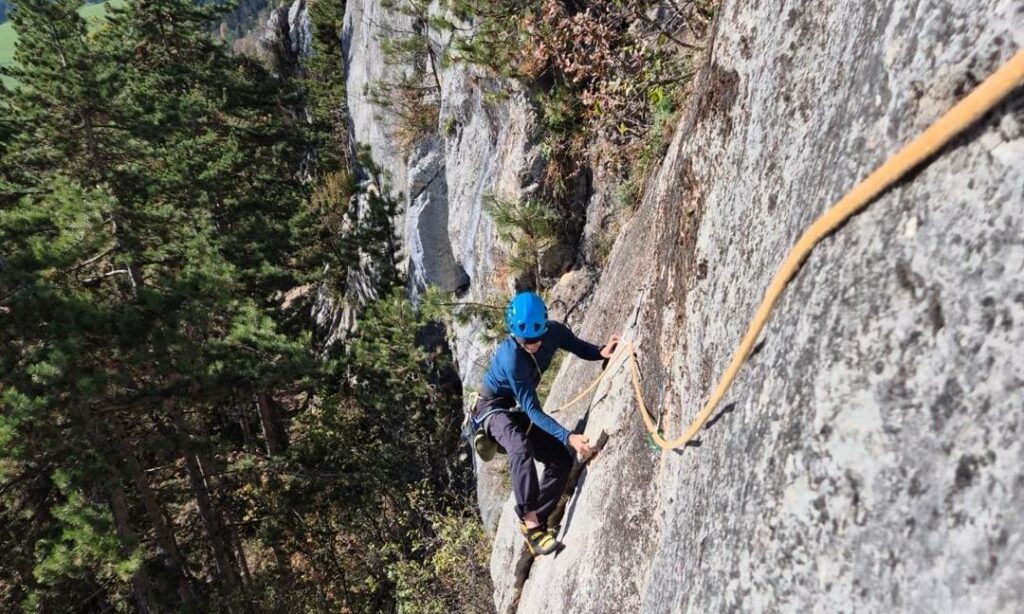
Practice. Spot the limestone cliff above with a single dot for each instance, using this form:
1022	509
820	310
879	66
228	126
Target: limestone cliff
868	457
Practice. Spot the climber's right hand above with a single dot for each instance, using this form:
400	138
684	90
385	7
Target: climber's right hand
581	444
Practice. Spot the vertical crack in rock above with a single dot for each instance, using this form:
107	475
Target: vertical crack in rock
524	560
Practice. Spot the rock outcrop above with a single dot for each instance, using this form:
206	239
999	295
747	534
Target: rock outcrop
299	36
431	262
366	26
486	144
868	458
284	39
337	316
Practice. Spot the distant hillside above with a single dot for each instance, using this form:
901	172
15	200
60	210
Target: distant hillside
235	25
5	7
8	37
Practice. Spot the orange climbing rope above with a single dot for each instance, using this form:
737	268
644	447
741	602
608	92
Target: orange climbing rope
981	100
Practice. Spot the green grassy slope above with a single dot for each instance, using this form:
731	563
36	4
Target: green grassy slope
8	37
96	11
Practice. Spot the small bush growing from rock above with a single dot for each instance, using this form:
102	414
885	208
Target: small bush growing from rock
409	91
531	227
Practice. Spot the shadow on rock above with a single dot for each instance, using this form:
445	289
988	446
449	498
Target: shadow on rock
728	409
568	513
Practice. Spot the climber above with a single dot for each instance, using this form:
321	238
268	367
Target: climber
525	432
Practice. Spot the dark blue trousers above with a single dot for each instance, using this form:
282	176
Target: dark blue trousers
524	445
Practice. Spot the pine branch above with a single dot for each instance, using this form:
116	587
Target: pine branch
93	280
471	304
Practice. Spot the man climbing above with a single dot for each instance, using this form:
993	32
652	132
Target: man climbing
526	432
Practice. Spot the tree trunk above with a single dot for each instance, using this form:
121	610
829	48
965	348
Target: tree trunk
164	534
215	530
140	583
248	438
272	431
243	563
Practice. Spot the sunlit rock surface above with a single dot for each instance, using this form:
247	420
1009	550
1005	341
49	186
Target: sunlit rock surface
869	456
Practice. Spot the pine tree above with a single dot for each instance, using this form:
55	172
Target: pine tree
167	440
323	78
51	227
148	186
59	101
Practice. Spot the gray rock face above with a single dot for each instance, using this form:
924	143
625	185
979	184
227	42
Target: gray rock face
274	34
285	38
417	178
299	36
336	316
486	146
366	21
869	456
431	262
489	150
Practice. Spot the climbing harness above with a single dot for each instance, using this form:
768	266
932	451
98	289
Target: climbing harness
475	427
981	100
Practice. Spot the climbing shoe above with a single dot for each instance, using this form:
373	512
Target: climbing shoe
539	540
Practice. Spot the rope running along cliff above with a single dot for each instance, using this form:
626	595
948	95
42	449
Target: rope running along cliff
981	100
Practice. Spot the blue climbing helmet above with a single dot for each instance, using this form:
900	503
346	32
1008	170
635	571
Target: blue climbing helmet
526	316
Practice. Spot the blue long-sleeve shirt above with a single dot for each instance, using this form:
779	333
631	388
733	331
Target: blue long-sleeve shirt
513	373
